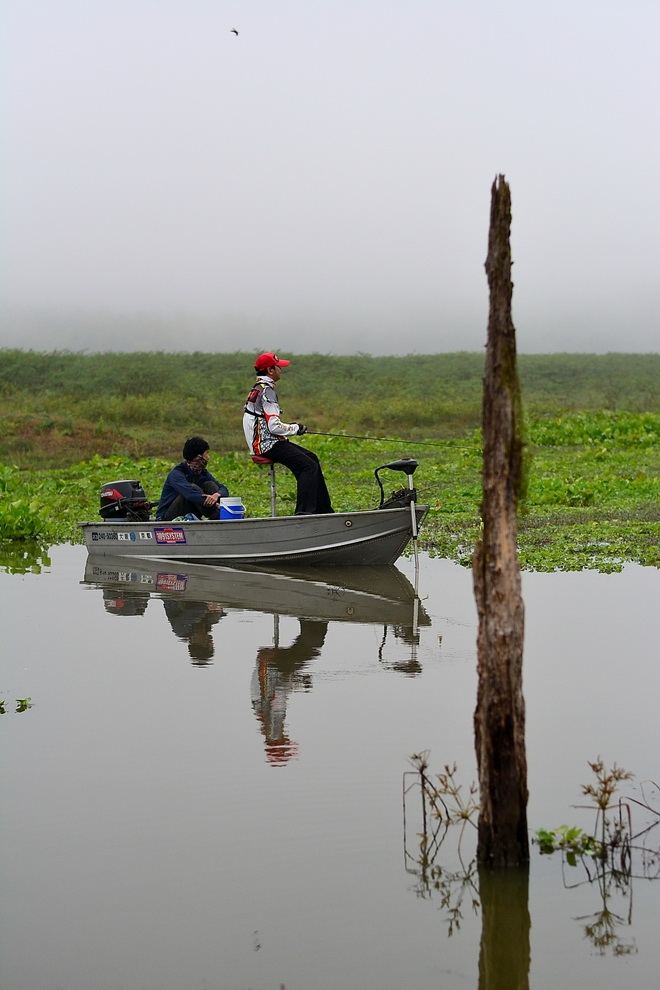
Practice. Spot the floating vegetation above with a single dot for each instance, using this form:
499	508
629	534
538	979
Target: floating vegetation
22	705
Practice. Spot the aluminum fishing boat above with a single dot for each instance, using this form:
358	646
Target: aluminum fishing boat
377	536
370	537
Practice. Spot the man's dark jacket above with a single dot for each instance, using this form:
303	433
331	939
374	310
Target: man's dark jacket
181	481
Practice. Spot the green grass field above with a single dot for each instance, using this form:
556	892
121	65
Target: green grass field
72	422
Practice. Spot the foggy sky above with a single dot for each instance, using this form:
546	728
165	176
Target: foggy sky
322	181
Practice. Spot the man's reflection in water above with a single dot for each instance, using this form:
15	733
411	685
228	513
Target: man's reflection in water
192	622
279	672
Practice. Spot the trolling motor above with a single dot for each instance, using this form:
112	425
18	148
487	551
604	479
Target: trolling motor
125	500
403	496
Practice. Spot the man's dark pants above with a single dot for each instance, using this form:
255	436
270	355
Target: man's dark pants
312	494
181	506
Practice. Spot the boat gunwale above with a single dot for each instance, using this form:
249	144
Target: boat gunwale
251	519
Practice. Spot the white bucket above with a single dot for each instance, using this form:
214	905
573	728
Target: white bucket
232	507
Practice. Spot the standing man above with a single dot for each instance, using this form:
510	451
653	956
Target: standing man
190	487
268	436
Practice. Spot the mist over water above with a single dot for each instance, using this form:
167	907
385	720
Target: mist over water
321	181
325	333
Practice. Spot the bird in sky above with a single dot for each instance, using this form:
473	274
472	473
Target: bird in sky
234	31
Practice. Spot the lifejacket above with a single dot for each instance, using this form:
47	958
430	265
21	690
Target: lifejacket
253	396
257	389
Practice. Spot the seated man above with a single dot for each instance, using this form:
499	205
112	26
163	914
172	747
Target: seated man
190	487
268	436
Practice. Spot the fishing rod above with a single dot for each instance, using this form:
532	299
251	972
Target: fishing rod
417	443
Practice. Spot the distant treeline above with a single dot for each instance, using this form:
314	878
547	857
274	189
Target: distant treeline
66	404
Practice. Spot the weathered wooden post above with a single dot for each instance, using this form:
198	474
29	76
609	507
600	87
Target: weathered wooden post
499	718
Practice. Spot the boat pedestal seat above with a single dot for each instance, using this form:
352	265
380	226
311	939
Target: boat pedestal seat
261	461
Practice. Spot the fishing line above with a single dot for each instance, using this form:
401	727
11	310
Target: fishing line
417	443
365	486
428	485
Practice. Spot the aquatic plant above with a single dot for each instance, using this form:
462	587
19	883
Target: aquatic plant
442	806
22	519
611	856
569	839
612	833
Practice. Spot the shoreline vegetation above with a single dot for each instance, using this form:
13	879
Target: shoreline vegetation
72	422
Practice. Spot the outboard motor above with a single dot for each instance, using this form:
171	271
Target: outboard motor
124	500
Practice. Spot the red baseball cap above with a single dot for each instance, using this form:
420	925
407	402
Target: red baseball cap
269	360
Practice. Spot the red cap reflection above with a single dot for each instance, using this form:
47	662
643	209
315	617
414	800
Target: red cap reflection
280	751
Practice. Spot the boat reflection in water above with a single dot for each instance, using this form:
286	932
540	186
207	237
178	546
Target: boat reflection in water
196	596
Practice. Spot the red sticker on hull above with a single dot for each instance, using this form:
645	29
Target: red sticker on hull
169	535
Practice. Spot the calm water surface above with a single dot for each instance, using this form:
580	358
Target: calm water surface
207	791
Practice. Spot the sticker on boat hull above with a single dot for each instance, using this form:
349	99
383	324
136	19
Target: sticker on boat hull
171	582
169	535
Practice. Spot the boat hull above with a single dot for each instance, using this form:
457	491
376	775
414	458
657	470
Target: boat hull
372	537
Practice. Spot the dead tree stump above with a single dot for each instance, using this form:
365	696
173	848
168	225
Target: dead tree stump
499	718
